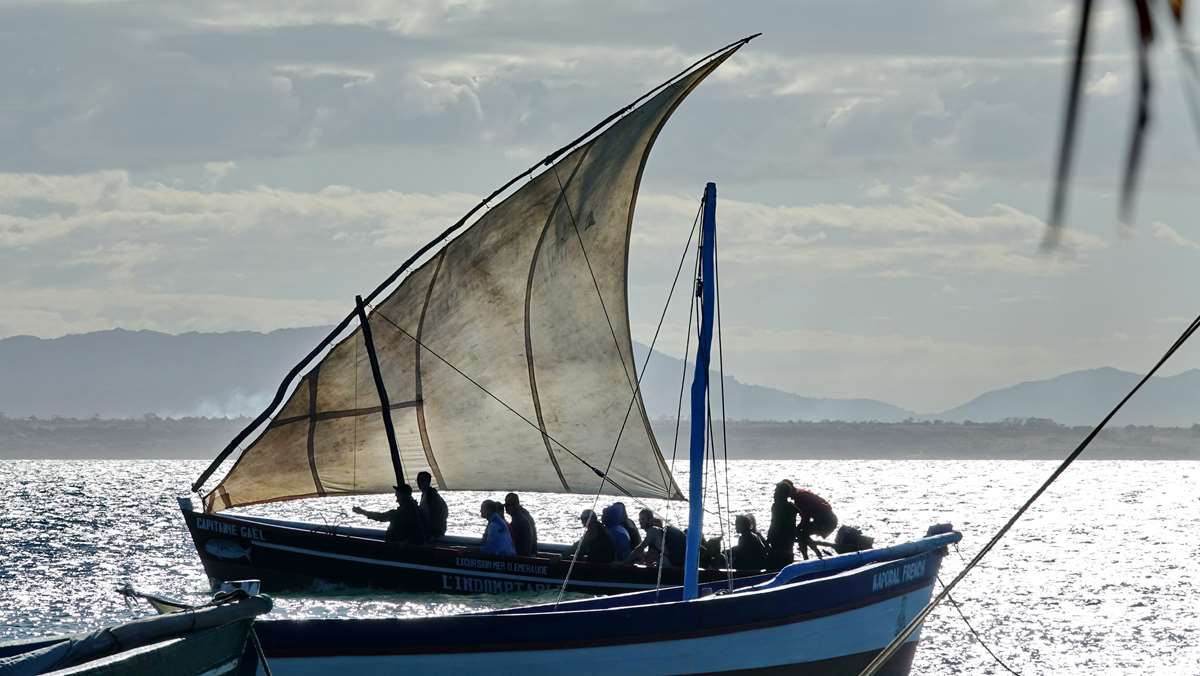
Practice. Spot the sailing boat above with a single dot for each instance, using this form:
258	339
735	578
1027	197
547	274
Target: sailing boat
503	361
499	359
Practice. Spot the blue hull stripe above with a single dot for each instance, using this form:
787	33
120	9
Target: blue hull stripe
513	630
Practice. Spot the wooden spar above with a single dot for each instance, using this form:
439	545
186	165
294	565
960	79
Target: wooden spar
384	405
705	284
285	386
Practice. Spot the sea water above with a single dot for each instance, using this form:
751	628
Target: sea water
1101	576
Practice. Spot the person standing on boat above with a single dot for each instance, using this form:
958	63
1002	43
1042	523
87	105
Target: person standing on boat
816	518
433	507
524	532
404	523
781	536
750	553
497	538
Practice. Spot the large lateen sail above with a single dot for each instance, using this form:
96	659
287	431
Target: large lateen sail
506	356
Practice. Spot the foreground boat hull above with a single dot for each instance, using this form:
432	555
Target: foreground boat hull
826	617
831	647
299	556
203	641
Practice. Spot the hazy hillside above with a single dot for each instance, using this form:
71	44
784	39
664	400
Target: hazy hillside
1084	397
660	389
202	438
126	374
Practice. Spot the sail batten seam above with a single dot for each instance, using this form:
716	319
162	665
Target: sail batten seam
418	387
533	389
312	429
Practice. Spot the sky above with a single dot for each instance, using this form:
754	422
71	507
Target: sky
883	171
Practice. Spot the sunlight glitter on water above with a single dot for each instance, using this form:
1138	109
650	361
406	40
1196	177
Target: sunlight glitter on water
1099	577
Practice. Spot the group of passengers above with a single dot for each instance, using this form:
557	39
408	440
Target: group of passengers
412	522
797	515
515	536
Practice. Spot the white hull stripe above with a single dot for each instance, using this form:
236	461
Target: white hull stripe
853	632
450	571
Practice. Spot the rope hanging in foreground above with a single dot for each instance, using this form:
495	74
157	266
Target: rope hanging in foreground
958	606
886	654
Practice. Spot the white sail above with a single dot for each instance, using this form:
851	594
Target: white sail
527	307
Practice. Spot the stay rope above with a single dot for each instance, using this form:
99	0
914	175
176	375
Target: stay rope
886	654
636	389
500	401
724	428
958	606
687	346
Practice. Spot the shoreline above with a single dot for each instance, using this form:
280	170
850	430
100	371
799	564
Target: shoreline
151	437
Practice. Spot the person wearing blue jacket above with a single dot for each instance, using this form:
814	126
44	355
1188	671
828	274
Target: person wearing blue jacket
497	539
613	517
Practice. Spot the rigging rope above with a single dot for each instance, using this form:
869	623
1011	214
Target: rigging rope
886	654
500	401
687	346
636	390
595	282
957	606
721	518
635	387
724	427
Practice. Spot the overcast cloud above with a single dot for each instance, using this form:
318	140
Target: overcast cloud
883	171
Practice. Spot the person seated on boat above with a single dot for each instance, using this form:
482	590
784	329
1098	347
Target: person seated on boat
635	536
497	539
816	518
651	550
404	523
524	532
781	536
613	518
750	552
595	545
712	554
433	507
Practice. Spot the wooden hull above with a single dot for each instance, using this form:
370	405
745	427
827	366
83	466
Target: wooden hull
816	618
304	556
205	642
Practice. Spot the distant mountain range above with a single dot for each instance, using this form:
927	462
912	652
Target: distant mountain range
660	390
127	374
123	374
1084	397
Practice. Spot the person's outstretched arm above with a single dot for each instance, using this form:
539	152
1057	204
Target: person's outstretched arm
374	516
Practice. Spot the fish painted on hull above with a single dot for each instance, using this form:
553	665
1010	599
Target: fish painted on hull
227	550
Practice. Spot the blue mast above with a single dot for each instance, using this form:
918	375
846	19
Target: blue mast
705	290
